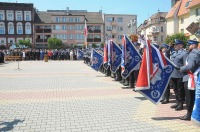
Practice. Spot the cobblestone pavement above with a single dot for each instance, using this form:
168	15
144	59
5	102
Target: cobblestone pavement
70	96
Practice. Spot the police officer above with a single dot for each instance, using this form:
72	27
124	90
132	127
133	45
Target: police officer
166	51
192	64
178	86
135	72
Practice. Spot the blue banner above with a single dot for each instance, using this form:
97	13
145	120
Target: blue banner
160	70
96	60
130	57
80	54
196	110
116	57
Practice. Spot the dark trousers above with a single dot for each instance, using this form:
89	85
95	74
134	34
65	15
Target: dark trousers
167	91
178	87
118	74
189	97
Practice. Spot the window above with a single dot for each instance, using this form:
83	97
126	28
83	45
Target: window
19	15
70	19
57	19
19	18
155	38
113	36
120	37
2	28
27	15
182	30
162	38
19	28
120	19
56	27
64	27
109	28
64	36
161	29
71	27
120	28
2	41
71	36
79	36
10	15
76	19
198	12
182	20
28	28
109	19
97	29
79	27
2	16
64	19
10	28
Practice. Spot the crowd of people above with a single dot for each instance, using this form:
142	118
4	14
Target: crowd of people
187	61
38	54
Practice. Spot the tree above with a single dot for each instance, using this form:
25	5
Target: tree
180	36
24	43
102	44
54	43
94	46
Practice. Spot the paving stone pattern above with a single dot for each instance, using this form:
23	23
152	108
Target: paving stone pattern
68	96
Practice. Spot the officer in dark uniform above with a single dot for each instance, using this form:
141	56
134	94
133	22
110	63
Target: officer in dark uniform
178	86
192	65
135	72
165	50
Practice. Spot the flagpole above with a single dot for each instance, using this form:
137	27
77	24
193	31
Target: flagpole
85	33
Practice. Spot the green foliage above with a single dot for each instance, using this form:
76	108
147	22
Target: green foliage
180	36
24	43
54	43
94	46
102	44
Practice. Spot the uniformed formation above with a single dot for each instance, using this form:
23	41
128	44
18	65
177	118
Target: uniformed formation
187	61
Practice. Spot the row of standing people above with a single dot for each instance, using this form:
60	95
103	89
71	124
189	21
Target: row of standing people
38	54
187	61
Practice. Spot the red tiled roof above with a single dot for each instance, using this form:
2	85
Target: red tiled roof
173	9
194	3
183	10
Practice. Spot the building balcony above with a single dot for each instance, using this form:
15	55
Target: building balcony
113	31
155	31
97	39
97	31
90	40
113	23
41	40
43	30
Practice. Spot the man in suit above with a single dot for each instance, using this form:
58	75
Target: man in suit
178	86
192	65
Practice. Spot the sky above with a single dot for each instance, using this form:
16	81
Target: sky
142	8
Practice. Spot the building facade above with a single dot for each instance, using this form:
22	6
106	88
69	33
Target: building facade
16	23
116	25
68	25
154	28
181	15
19	21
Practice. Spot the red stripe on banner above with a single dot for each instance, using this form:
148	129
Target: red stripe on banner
142	80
